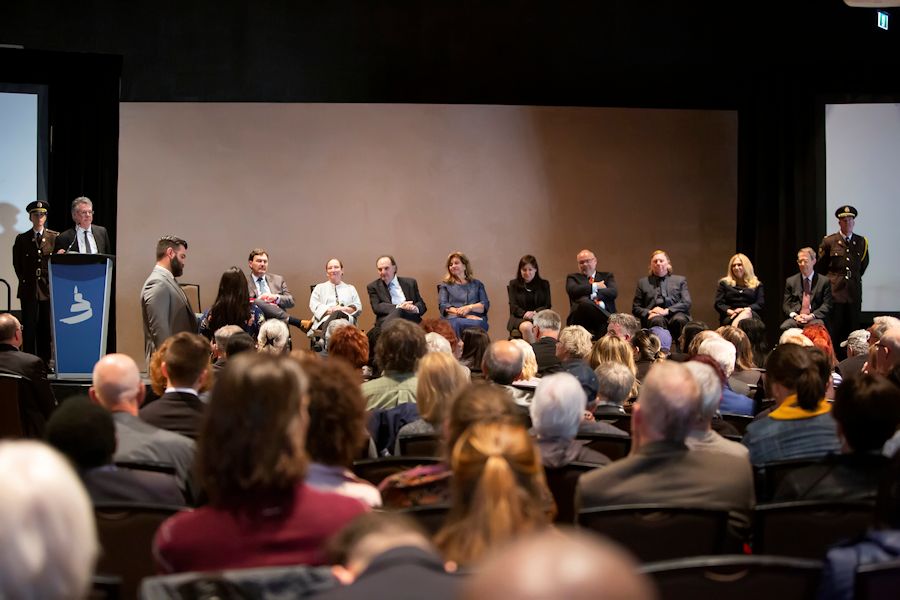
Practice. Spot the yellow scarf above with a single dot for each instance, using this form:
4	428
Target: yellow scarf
791	411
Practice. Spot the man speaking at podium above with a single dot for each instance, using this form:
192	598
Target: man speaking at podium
85	237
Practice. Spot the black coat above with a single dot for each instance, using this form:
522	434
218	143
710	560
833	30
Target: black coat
37	401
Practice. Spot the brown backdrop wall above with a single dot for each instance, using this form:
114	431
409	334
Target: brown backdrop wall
312	181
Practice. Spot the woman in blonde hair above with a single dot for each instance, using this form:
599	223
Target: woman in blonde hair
740	293
529	363
612	349
497	489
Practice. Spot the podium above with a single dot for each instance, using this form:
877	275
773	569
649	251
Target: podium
79	308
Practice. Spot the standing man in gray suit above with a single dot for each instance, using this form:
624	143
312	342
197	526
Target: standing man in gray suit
269	291
164	307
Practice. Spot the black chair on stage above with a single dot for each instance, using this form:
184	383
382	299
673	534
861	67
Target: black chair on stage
376	470
613	446
807	528
655	532
562	482
421	444
879	581
735	577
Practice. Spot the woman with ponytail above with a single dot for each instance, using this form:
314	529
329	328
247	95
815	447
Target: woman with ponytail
800	425
498	491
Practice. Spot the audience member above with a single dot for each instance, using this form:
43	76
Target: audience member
400	346
546	329
252	463
756	333
723	352
528	294
559	564
887	355
388	555
702	438
232	307
807	295
612	349
662	299
615	384
694	347
745	370
498	491
239	342
219	342
47	525
36	406
660	467
688	332
437	343
165	309
462	299
442	328
332	328
646	347
502	365
592	295
86	435
337	430
475	342
573	352
623	326
799	426
794	335
528	377
820	338
274	337
556	413
857	345
351	345
185	366
665	341
880	325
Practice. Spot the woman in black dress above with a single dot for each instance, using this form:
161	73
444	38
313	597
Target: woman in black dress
740	294
528	294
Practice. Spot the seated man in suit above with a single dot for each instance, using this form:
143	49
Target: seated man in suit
807	295
546	331
592	295
661	468
85	237
269	291
186	368
39	403
662	299
392	297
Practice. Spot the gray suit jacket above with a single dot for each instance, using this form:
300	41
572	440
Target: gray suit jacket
278	287
165	310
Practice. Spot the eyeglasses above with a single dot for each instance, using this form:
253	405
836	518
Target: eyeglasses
84	213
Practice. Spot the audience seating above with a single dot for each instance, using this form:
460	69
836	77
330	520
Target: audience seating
423	444
807	528
879	581
736	577
562	482
10	415
126	533
739	422
154	467
431	518
768	477
623	422
105	587
375	470
655	532
275	583
613	446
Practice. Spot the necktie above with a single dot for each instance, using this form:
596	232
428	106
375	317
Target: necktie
37	238
804	306
262	286
87	244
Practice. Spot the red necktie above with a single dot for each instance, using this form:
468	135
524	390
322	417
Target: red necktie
804	306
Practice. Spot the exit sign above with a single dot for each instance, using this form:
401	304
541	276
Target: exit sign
882	20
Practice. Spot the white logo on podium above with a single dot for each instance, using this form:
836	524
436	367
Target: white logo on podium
80	308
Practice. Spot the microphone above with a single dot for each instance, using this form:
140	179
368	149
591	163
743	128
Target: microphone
74	241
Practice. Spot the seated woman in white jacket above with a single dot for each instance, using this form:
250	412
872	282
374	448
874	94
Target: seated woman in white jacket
333	299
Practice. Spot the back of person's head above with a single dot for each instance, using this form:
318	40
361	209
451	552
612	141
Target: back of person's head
47	525
557	407
560	564
117	382
437	343
154	369
688	332
820	338
253	436
857	342
497	488
273	337
710	386
372	534
232	303
333	328
794	335
186	359
502	362
694	347
444	329
721	350
628	324
529	359
647	344
756	335
743	351
475	342
615	381
547	320
83	432
350	344
9	325
794	367
479	403
239	342
881	324
221	336
669	402
337	413
575	341
610	348
440	377
400	346
867	410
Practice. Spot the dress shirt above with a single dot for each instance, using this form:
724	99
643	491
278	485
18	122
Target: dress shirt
397	295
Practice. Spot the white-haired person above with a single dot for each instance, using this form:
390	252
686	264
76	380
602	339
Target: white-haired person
556	413
49	540
273	337
724	353
702	438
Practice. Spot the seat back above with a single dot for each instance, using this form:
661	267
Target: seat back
234	584
422	444
658	532
768	477
807	528
739	422
431	518
613	446
879	581
126	533
10	415
376	470
735	577
562	482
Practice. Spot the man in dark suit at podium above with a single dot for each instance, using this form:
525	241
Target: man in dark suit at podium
85	237
37	405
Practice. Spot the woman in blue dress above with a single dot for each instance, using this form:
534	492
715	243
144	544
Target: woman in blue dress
462	299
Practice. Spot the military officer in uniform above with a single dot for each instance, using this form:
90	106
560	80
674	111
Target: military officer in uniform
31	251
843	257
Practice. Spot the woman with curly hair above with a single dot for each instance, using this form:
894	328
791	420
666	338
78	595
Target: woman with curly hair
232	306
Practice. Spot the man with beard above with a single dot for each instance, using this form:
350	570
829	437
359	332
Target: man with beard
164	306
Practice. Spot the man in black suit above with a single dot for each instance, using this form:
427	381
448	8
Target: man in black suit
662	299
186	368
38	402
31	252
392	297
807	295
85	237
546	330
592	295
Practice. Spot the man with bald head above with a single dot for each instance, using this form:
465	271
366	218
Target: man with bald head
661	468
592	295
118	388
502	365
38	401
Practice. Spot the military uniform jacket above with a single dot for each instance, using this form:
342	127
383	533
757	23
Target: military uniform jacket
844	264
30	262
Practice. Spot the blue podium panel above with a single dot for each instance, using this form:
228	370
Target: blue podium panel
79	293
